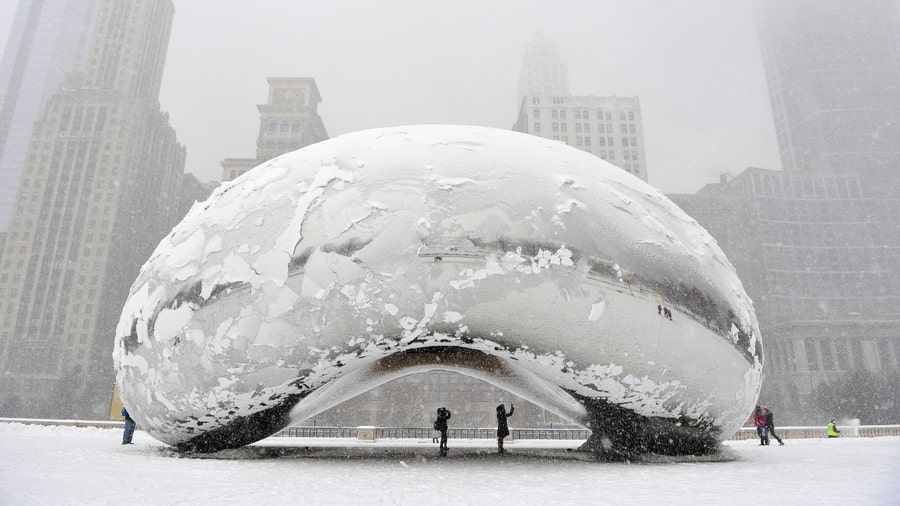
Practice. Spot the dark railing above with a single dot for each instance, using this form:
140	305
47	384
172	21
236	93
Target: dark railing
318	432
425	433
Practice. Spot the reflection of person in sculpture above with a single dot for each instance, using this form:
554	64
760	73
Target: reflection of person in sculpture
502	427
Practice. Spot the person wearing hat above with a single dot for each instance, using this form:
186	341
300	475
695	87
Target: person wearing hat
770	427
833	430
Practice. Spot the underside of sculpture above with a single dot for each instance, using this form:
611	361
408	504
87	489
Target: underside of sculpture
520	261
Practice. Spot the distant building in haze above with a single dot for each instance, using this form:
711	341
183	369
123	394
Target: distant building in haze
816	244
834	82
48	38
103	182
543	71
289	121
609	127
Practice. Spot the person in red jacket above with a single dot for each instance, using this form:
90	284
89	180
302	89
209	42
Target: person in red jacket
760	421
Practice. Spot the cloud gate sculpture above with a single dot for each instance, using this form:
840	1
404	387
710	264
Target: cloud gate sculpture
520	261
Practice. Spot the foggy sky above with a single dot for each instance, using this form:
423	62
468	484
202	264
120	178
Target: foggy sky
694	64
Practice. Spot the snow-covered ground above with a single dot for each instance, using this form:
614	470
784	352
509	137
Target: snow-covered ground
88	466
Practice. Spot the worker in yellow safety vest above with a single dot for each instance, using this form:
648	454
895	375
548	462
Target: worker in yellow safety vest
832	430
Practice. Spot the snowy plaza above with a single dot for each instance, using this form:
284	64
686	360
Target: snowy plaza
88	466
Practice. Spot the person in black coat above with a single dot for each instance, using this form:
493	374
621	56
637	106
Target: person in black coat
502	426
770	427
440	425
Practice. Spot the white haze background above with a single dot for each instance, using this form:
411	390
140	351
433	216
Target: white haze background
695	65
88	466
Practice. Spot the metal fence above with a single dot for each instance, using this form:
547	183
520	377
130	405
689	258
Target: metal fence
566	434
425	433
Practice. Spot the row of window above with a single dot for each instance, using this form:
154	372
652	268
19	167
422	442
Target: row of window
583	113
586	128
776	185
283	128
833	354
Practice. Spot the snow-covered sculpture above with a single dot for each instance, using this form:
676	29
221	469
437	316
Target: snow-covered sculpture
514	259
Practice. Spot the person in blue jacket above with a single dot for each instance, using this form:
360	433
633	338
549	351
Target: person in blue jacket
129	428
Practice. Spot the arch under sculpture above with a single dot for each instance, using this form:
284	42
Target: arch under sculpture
514	259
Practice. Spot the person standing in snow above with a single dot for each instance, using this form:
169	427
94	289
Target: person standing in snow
440	425
833	430
129	428
770	426
502	426
760	421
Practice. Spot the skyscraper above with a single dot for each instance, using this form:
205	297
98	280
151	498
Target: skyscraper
288	121
816	244
543	70
609	127
101	186
834	82
48	38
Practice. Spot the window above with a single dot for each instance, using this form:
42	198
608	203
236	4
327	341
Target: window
630	115
587	141
625	141
577	114
578	127
578	141
627	155
537	126
631	129
273	125
622	115
562	114
608	116
624	129
601	129
634	155
610	141
600	115
587	128
556	127
554	114
537	114
563	127
603	141
535	100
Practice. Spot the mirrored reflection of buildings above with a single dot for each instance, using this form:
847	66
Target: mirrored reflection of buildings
287	122
816	244
103	182
47	39
412	401
609	127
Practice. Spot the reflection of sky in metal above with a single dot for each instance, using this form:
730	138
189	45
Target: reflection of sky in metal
309	271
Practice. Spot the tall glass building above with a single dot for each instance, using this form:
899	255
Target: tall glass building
48	38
